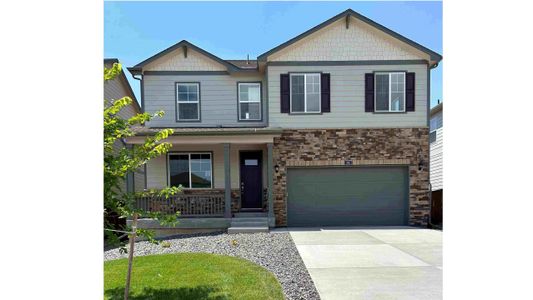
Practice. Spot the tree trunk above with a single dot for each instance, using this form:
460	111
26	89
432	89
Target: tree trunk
130	255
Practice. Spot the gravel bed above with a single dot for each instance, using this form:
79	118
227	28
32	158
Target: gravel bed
274	251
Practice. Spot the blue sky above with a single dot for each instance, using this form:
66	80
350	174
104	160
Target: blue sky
134	31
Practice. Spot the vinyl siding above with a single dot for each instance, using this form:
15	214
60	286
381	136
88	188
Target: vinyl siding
218	99
113	90
176	61
436	157
359	41
157	167
348	99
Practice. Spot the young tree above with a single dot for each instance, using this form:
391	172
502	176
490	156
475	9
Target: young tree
119	203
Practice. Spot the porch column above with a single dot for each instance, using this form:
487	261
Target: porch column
270	177
227	181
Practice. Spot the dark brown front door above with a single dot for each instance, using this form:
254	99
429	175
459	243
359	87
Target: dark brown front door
251	179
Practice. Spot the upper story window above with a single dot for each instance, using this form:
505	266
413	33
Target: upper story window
390	92
249	101
190	170
305	93
188	101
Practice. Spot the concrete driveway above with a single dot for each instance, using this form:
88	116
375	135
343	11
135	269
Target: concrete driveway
372	263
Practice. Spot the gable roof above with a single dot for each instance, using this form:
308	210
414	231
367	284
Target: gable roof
436	109
138	67
244	63
349	12
135	104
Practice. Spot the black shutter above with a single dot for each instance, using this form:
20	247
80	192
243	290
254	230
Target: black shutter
325	93
410	92
369	92
285	101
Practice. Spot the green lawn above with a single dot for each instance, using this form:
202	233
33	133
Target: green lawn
190	276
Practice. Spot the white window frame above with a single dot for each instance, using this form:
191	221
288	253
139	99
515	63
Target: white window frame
187	102
305	93
390	92
190	171
240	101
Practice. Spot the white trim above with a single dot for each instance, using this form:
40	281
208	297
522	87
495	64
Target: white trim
305	93
240	101
190	171
390	92
188	102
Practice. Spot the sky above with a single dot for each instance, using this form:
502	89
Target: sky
134	31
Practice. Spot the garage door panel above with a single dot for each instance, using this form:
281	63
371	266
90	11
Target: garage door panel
347	196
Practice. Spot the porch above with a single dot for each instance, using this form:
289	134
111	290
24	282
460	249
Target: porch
224	174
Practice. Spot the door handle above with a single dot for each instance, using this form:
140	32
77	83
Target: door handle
242	186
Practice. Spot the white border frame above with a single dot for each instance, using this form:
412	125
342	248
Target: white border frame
190	171
390	93
239	100
305	93
185	102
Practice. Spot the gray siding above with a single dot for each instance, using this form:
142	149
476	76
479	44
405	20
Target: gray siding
157	167
113	90
218	99
348	99
436	155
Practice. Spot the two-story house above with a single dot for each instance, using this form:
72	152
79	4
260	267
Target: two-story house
116	89
330	128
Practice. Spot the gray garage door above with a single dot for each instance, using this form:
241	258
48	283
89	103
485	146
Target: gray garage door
344	196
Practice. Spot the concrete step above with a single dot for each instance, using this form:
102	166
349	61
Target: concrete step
233	230
250	214
249	224
254	219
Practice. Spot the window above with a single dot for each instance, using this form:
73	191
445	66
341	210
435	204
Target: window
190	170
435	122
188	101
249	101
305	93
432	137
390	92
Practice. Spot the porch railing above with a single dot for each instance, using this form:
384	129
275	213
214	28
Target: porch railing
187	205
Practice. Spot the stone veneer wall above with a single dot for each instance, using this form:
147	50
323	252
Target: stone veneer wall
331	147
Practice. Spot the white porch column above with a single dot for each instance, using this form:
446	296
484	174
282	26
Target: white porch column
270	192
227	181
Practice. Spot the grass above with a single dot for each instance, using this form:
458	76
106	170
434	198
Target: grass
190	276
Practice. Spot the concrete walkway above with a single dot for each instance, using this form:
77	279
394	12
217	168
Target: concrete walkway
372	263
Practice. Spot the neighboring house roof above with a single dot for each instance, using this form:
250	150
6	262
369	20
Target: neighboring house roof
231	66
436	109
434	56
111	61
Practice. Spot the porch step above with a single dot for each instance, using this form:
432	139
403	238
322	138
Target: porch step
249	223
249	219
233	230
250	214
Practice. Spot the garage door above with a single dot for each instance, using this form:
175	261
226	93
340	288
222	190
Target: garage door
347	196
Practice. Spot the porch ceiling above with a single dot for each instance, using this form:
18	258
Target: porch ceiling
211	135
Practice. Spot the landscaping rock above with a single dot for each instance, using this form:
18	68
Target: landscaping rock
274	251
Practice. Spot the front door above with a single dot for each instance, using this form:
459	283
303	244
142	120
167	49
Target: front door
251	179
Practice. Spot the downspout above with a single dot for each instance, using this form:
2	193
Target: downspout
142	90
